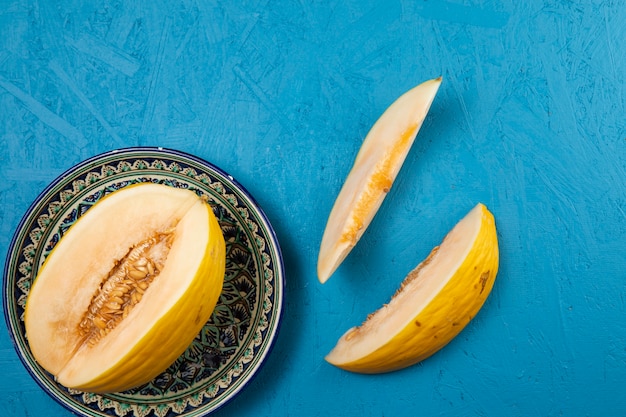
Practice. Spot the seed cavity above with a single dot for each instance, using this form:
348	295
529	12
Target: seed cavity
124	286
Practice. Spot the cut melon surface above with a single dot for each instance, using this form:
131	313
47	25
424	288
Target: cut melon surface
434	303
126	289
375	168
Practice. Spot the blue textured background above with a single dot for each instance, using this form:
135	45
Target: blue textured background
530	120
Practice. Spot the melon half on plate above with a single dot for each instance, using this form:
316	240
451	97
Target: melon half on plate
127	288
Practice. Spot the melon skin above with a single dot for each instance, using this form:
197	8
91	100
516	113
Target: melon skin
171	312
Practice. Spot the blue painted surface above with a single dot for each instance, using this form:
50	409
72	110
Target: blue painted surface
530	120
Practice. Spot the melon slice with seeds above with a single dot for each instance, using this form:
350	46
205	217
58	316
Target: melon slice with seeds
434	303
375	168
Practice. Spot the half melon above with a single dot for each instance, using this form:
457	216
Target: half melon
126	289
434	303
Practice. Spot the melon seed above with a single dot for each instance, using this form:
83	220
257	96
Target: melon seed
118	292
113	305
136	274
140	262
99	322
117	300
136	297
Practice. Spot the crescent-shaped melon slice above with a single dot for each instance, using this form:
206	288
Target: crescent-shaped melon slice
126	289
375	168
434	303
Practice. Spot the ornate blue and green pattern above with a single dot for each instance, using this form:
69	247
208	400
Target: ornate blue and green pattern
234	342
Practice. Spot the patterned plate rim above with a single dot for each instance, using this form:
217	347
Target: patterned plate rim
279	275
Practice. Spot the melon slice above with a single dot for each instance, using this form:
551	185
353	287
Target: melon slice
374	170
434	303
126	289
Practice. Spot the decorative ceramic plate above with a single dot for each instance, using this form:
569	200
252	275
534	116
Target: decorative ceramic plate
233	344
